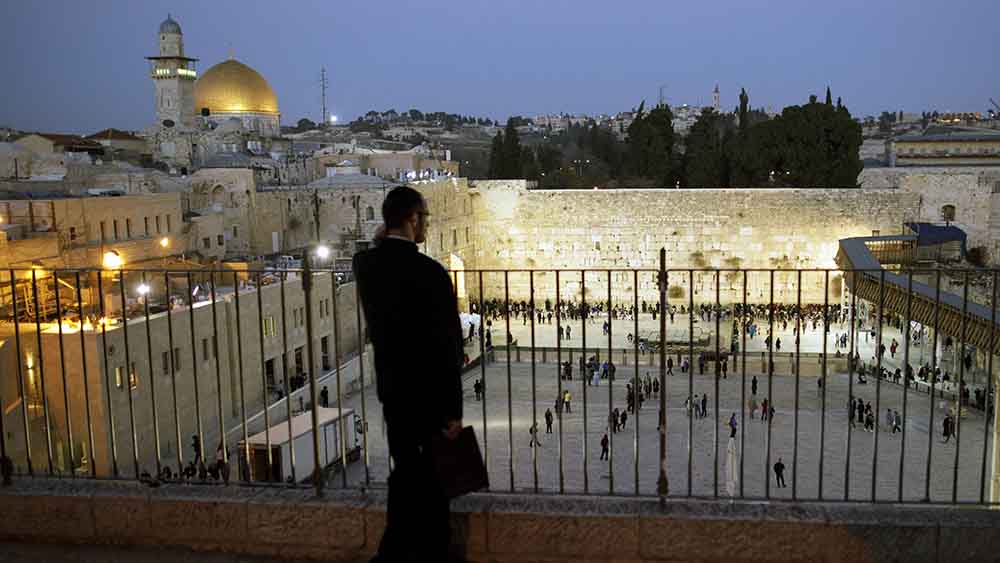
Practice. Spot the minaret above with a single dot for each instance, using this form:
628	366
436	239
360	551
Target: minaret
715	99
173	76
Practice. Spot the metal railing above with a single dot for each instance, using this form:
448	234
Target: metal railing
103	374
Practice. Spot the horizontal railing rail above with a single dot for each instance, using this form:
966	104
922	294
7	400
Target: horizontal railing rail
837	385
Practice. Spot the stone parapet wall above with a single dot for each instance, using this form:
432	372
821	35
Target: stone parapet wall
347	525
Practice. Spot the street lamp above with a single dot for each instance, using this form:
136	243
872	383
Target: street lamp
112	260
143	289
322	252
164	242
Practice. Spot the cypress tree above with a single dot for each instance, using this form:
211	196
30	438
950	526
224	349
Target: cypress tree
829	98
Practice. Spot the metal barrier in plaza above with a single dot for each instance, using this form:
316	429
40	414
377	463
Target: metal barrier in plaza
104	373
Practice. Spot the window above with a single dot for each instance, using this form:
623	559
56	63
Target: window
169	221
324	349
467	235
145	225
177	359
128	228
220	240
269	328
441	240
158	224
370	213
298	361
114	227
996	187
104	235
269	372
206	242
454	238
948	213
133	378
72	233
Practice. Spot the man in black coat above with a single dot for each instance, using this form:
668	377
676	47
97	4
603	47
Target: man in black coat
413	323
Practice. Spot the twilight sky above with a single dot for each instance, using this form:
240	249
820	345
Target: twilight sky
77	65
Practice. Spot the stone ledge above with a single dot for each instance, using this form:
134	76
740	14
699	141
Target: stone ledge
346	525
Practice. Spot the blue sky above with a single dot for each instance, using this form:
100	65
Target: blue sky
78	65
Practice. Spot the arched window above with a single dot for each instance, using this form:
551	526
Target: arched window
948	213
217	195
370	213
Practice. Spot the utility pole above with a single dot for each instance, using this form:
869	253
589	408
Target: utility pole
323	84
663	98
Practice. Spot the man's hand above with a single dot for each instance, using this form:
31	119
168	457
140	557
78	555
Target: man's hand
453	429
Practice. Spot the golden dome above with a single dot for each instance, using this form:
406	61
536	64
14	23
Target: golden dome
233	87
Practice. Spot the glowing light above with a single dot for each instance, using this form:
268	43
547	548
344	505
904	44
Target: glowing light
112	260
333	119
322	252
164	242
143	289
29	360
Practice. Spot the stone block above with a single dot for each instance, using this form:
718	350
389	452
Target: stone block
728	540
199	522
121	518
562	536
49	518
304	522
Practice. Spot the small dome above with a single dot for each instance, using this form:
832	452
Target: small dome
169	25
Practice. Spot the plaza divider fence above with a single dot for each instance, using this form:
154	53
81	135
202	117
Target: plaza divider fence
103	377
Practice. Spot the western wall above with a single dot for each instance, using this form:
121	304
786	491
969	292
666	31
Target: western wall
522	228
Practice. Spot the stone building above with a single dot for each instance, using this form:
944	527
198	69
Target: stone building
945	146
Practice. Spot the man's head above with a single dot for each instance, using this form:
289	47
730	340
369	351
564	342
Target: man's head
405	214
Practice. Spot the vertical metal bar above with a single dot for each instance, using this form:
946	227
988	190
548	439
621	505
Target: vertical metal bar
961	385
611	435
5	478
798	368
770	386
62	370
878	378
850	381
743	319
128	373
559	380
200	453
718	359
906	382
284	371
86	379
822	418
152	379
239	364
933	378
218	370
362	347
340	381
510	401
482	371
318	480
20	373
173	374
690	443
989	389
584	315
635	356
41	368
534	402
107	380
263	378
662	482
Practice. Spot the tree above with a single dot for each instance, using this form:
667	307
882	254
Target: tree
743	110
704	160
496	167
305	124
416	115
829	98
650	145
511	161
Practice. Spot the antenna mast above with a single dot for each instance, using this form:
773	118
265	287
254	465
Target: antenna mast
323	83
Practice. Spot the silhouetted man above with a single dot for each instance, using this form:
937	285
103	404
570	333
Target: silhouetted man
414	327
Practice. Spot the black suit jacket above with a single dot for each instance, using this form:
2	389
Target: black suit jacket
413	323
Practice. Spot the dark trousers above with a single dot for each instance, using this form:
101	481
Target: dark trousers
780	478
418	512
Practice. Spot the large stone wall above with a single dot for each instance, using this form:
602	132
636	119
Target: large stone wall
522	228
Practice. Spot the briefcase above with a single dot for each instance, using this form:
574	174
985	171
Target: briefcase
459	464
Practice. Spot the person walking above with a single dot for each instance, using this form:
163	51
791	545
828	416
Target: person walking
670	366
413	321
548	421
534	443
477	388
763	410
752	407
753	385
324	397
732	425
604	447
624	419
946	430
566	401
779	473
897	422
704	405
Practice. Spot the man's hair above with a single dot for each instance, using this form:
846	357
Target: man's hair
401	202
